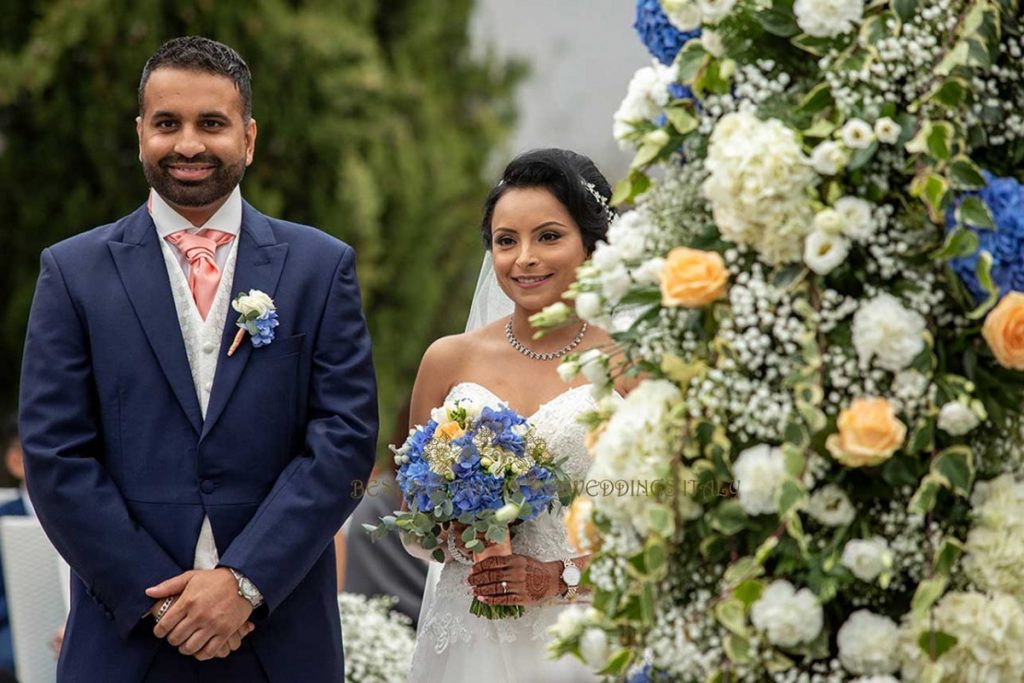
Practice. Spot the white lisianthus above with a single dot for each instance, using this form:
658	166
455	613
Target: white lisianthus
869	643
887	131
758	185
831	506
594	366
254	304
867	559
685	15
858	223
568	370
570	623
989	630
594	647
956	419
828	18
712	42
857	134
829	221
606	257
658	137
649	272
829	158
994	555
615	284
884	329
759	471
788	617
648	92
588	306
823	251
714	11
440	414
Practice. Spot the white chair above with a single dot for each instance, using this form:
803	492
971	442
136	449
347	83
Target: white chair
36	604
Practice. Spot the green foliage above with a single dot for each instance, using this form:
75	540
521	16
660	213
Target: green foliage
376	125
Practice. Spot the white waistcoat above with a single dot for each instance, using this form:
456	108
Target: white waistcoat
202	345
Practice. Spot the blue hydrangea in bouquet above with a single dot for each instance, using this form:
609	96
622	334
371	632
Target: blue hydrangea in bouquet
480	466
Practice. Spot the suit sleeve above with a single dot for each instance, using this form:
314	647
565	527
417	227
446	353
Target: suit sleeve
77	502
311	498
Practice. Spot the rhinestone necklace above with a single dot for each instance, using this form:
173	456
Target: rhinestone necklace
518	346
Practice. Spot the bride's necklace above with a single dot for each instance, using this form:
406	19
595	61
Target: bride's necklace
518	346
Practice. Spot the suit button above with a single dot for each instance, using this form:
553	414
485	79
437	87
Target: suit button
209	347
207	486
208	387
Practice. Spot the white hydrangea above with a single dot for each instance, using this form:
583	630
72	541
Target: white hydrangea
648	92
884	329
759	471
957	419
831	506
627	233
857	134
828	18
758	185
989	630
787	617
887	131
829	158
867	559
823	251
869	643
994	553
638	443
858	222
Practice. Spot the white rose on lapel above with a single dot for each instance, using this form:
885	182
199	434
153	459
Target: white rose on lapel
257	316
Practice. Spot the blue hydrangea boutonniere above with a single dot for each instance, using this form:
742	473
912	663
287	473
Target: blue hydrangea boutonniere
257	316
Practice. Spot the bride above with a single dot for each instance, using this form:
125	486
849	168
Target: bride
540	222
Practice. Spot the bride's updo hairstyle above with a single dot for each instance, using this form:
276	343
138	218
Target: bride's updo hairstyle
574	181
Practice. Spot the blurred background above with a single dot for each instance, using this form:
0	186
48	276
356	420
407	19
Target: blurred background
383	123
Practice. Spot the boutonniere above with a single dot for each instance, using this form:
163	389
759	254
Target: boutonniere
257	316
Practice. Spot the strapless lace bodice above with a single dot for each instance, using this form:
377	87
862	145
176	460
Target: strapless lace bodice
447	619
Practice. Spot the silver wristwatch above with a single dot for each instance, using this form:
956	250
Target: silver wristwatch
247	589
571	575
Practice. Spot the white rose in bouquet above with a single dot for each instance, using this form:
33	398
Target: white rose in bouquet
759	471
788	617
828	18
869	643
884	329
867	558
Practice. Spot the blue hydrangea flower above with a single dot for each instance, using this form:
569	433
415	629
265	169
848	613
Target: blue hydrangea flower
662	39
640	675
419	439
261	329
501	422
417	481
539	488
469	458
477	492
1005	199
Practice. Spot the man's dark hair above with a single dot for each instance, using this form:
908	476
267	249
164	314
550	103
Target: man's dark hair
196	53
572	178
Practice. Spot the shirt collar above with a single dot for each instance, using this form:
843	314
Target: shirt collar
228	217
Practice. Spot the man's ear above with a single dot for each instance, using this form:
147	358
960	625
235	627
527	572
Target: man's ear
250	141
138	132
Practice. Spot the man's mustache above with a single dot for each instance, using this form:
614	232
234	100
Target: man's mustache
172	159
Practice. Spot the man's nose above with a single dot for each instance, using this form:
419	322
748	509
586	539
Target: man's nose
189	142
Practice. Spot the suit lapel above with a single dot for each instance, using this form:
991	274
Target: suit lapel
143	272
258	266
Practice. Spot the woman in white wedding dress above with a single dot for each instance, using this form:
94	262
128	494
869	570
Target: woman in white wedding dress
540	222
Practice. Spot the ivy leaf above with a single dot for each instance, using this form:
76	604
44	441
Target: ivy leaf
965	174
959	243
862	156
951	93
983	270
818	99
955	465
927	493
905	9
927	593
681	119
973	211
936	643
690	60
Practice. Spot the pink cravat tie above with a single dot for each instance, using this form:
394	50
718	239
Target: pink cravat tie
203	275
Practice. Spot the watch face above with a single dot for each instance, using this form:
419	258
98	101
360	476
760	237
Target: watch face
571	576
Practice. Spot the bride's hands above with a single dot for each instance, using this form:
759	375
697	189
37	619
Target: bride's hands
514	580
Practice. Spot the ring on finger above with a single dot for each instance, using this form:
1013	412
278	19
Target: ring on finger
504	586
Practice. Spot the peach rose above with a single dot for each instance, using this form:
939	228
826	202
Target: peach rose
580	527
869	433
1004	331
451	430
692	278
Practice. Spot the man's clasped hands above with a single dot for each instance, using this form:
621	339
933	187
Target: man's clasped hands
208	618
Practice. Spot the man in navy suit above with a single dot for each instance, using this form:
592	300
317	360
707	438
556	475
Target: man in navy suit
195	485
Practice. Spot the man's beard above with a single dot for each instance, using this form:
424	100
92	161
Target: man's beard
221	182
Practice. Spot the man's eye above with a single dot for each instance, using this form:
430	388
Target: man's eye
165	124
213	124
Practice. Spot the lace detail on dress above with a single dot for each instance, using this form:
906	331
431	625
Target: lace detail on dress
447	619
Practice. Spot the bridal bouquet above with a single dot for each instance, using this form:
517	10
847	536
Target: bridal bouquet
481	466
823	271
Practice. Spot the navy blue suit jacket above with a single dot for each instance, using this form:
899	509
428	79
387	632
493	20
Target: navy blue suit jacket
12	508
122	468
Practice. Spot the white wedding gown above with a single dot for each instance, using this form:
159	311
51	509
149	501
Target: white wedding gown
454	646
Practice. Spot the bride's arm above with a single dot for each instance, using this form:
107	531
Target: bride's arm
433	381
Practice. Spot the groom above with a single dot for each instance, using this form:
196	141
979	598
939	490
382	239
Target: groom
193	491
